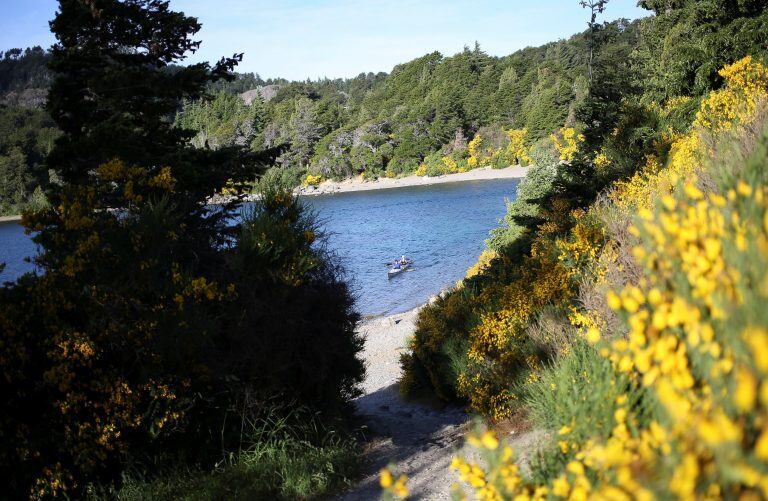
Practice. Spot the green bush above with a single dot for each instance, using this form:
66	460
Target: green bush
152	361
286	457
524	210
286	178
575	400
438	347
294	298
543	152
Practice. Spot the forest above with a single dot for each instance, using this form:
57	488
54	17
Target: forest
430	116
169	350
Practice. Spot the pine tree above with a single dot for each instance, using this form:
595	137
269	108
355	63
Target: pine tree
133	261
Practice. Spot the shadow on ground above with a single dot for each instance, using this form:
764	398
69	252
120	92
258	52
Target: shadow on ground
419	439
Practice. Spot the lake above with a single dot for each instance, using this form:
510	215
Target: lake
441	227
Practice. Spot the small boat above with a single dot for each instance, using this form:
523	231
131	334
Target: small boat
396	271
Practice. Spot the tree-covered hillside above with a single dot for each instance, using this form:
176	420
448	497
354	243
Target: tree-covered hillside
26	131
423	114
389	124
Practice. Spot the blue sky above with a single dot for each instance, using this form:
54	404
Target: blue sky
297	39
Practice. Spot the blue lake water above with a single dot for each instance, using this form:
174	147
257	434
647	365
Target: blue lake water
15	246
441	227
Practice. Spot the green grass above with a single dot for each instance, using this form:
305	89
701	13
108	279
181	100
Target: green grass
283	461
580	391
284	470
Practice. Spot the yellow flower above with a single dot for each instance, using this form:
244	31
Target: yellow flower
489	441
761	446
614	301
385	478
593	335
560	487
746	390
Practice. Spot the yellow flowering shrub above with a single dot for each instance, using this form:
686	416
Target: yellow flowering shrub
697	341
450	164
502	480
478	154
499	349
312	180
473	148
602	161
567	142
580	250
392	488
482	264
747	85
517	151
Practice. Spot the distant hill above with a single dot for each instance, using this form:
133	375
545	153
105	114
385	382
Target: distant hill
389	123
24	77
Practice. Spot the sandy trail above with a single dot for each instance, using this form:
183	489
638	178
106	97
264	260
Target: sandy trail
416	439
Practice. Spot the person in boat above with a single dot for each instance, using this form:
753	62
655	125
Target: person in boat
403	261
396	265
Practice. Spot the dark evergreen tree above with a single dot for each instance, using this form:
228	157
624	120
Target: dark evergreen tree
158	324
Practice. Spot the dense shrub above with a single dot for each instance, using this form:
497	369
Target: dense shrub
159	326
682	409
286	178
523	211
439	337
183	357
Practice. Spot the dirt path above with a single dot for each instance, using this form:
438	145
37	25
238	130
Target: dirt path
417	439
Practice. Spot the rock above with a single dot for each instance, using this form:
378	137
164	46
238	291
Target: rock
266	92
27	98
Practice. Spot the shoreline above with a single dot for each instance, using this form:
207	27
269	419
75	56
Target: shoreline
373	319
8	219
356	184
